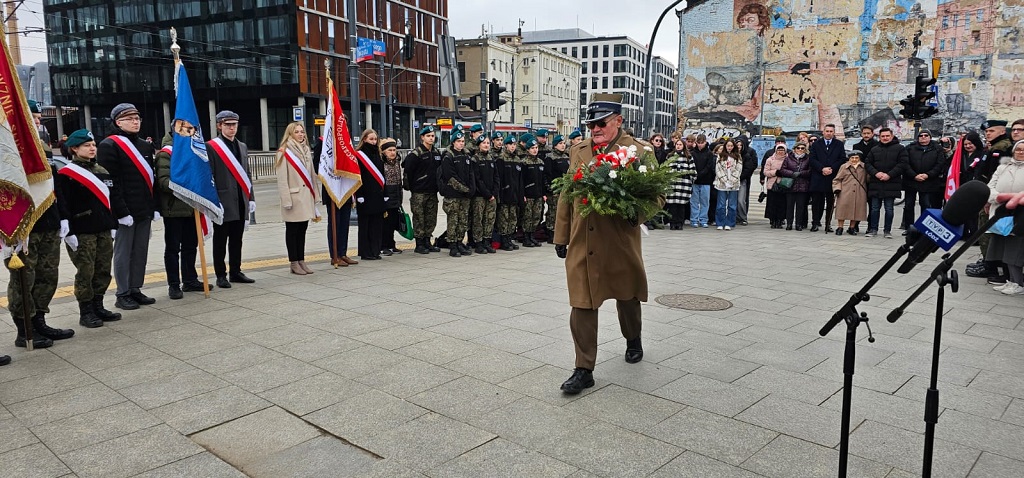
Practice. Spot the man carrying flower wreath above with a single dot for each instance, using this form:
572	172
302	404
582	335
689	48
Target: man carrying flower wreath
601	247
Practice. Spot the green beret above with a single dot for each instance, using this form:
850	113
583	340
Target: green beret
526	137
79	138
426	130
482	139
458	127
510	138
558	139
33	106
530	142
497	135
780	139
542	132
476	128
575	134
458	134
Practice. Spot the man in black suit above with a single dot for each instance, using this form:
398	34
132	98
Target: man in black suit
826	156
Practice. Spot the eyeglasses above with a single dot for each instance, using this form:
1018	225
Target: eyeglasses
923	135
131	119
598	124
800	147
1018	130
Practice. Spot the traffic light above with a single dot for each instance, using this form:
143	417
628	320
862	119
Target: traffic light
473	102
923	95
408	47
494	92
909	110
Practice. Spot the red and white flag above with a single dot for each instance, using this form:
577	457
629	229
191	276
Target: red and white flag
339	164
953	175
26	183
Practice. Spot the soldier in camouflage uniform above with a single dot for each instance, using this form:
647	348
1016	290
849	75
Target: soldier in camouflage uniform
89	240
497	142
456	183
575	137
534	186
420	168
484	202
557	165
510	197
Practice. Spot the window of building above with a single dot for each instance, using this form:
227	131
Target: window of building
574	52
942	45
593	51
952	44
563	50
593	83
526	110
945	21
967	21
584	69
980	16
605	51
593	67
621	50
585	50
976	36
619	82
526	88
605	66
462	71
604	82
956	19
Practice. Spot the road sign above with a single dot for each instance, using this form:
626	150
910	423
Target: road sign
528	123
296	113
319	121
444	121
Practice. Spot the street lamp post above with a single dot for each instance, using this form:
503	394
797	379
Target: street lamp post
512	117
647	73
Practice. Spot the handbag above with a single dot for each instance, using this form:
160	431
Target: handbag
761	197
405	224
784	183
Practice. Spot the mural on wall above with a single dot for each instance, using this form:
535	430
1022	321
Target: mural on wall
796	65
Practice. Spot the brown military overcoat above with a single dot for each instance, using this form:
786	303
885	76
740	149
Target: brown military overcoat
604	259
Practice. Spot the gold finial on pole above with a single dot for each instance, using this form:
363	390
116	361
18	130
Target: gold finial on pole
175	49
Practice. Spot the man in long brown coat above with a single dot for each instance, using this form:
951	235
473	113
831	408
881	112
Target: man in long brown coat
602	254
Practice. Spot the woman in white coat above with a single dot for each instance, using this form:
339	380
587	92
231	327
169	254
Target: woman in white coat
299	188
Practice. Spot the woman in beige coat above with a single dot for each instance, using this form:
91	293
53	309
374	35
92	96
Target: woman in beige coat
850	184
299	188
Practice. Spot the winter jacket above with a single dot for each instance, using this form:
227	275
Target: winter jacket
510	169
930	160
85	213
821	157
557	166
455	179
486	174
1007	178
392	183
534	184
866	147
771	168
232	196
133	195
704	160
727	173
170	205
799	169
998	151
421	167
889	158
371	191
682	187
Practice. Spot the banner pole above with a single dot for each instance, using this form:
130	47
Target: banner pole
25	294
202	253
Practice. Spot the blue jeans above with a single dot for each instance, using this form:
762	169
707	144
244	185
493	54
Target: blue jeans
725	214
876	206
699	204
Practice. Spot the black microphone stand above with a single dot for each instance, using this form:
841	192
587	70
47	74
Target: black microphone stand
849	314
942	275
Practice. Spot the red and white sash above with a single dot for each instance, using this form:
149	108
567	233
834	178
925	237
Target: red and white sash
233	165
133	154
300	168
168	149
89	180
363	158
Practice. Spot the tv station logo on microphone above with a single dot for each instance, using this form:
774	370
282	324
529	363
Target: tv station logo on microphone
939	231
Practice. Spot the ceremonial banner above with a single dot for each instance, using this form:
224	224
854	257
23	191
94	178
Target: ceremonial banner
191	177
339	166
26	184
953	176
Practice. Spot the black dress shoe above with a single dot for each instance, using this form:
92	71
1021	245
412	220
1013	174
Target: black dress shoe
634	351
839	232
580	379
396	250
5	360
142	299
828	229
174	292
223	283
814	228
385	252
126	303
789	228
370	258
194	287
799	228
240	278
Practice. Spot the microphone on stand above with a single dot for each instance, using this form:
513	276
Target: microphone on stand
934	230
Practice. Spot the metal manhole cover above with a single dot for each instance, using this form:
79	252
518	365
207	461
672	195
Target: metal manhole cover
693	302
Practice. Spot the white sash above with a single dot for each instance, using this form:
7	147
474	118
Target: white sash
300	168
140	162
89	180
234	167
372	168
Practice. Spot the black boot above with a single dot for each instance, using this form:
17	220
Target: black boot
464	249
86	317
506	243
634	351
580	379
479	248
454	251
39	324
489	247
551	235
38	341
101	312
421	247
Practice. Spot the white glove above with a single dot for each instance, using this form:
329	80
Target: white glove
288	208
246	225
64	228
386	198
252	207
72	242
113	233
156	216
360	200
126	221
316	212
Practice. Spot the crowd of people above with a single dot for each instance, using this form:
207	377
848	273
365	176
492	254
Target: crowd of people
818	180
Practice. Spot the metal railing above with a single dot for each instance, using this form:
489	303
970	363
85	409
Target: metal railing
261	164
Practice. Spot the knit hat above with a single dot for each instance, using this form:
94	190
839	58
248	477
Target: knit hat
558	139
780	139
227	116
426	130
79	138
123	109
575	134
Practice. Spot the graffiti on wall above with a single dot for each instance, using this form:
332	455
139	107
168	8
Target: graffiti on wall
800	64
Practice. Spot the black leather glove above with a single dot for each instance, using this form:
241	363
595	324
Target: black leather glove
561	250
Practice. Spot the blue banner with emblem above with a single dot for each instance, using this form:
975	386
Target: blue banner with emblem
191	176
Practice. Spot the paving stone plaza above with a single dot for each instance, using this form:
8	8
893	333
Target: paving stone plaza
442	367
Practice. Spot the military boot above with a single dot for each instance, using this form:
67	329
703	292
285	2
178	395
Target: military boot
102	313
421	247
506	243
479	247
488	246
39	324
38	341
438	243
87	317
464	249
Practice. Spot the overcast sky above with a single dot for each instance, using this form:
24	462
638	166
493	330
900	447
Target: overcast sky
632	18
599	17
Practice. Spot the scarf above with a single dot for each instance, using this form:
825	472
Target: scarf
301	150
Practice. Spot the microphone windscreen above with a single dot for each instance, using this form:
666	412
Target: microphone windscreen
965	204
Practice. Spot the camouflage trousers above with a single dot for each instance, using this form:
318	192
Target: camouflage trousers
482	219
983	241
533	212
457	210
92	259
552	212
424	214
40	273
508	217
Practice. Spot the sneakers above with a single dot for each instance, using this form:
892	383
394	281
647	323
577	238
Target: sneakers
727	228
997	280
720	228
888	235
704	225
870	234
1013	289
126	303
1000	287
